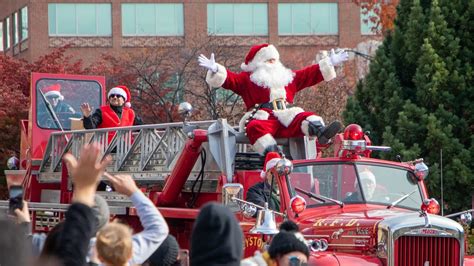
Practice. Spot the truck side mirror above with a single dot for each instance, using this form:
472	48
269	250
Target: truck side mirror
230	191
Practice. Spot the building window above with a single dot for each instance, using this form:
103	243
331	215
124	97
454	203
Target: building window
368	22
7	33
308	19
1	36
24	23
80	19
152	20
16	31
237	19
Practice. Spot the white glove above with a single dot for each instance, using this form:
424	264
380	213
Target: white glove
339	57
208	63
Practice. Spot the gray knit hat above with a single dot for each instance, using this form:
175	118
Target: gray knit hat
101	211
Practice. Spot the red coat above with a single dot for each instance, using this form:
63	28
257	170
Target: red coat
253	94
111	119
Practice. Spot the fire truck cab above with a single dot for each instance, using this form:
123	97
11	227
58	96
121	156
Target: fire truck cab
352	209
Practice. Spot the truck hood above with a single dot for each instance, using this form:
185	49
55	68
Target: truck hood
351	228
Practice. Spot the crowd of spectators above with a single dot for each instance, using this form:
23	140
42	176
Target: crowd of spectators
87	237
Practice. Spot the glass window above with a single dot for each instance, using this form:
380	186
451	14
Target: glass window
1	36
16	31
80	19
24	23
152	20
237	19
367	26
57	101
7	33
358	183
307	19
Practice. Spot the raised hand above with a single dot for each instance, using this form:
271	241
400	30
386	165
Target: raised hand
208	63
339	57
86	172
23	215
123	184
86	109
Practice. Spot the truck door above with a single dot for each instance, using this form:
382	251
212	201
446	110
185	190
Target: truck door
55	100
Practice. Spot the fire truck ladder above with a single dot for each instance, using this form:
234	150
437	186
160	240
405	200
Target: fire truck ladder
147	152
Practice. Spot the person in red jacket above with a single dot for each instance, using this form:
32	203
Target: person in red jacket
268	88
117	114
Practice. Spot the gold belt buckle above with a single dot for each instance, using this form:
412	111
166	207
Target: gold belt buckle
279	104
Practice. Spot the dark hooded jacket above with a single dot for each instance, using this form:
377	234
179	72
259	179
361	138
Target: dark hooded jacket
216	238
260	193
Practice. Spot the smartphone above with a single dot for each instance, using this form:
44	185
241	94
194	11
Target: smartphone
16	198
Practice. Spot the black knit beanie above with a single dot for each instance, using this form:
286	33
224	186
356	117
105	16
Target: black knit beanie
287	240
217	238
166	254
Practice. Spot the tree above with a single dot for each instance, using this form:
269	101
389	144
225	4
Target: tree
382	13
15	92
416	95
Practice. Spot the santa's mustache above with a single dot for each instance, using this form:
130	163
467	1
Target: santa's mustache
274	75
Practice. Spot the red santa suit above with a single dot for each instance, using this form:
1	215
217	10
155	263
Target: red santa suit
268	117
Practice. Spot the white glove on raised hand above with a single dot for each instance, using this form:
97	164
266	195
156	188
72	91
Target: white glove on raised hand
339	57
208	63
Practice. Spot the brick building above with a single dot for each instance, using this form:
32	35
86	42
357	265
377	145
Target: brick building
31	28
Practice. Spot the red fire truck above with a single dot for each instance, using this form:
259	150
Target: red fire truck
182	166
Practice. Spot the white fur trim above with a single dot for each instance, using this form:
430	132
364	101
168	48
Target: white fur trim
269	52
311	118
286	116
277	93
270	164
263	142
305	128
216	80
327	69
259	115
119	91
56	93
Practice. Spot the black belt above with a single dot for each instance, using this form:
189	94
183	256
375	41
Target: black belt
278	104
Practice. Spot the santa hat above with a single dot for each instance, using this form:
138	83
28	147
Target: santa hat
122	91
271	160
53	90
259	54
367	175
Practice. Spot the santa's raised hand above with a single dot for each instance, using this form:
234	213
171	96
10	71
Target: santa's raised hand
209	63
339	57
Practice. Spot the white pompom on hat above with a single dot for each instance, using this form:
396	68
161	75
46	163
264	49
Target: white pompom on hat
53	90
259	54
271	160
122	91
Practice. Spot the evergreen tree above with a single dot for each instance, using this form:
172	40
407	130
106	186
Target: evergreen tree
417	97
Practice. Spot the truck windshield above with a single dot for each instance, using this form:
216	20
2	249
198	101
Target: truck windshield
357	183
58	101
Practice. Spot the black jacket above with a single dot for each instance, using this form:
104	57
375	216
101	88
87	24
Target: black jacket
260	193
79	227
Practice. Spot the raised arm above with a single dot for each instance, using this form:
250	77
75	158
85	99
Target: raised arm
218	76
155	228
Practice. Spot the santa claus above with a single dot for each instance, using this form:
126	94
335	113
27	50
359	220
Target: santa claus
268	89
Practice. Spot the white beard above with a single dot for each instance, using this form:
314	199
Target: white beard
270	76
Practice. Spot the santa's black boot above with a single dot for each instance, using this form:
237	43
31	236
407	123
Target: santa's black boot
324	133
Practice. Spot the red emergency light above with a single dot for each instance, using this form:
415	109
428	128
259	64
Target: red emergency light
430	206
298	204
353	132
